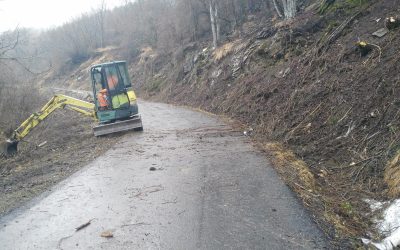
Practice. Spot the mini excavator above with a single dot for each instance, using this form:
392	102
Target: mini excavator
114	109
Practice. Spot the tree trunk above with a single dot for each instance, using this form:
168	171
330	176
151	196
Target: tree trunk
217	21
277	8
213	24
101	17
286	9
289	8
235	19
195	21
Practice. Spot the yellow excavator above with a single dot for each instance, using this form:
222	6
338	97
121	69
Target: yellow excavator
115	107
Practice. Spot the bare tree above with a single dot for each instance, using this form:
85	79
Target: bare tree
215	23
8	42
277	8
289	8
100	18
12	51
286	8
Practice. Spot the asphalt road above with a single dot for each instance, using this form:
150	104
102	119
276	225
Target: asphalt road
211	189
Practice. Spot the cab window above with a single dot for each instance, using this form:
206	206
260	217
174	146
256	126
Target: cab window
112	78
125	76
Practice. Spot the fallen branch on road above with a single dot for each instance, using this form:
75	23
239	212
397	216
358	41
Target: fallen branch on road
83	225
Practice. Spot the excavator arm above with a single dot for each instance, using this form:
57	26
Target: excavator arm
56	102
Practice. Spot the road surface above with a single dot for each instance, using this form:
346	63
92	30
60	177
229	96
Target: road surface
211	189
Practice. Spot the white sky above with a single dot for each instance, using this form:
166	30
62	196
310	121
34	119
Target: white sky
45	13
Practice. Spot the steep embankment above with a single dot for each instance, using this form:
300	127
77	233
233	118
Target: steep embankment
306	85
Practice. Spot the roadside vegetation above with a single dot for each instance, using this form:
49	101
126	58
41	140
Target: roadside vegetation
18	98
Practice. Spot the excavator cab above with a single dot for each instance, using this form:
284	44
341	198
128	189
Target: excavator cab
115	100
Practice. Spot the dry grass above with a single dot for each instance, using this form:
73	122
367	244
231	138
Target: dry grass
336	216
222	51
392	176
291	168
146	54
106	49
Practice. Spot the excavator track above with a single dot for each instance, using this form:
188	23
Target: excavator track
135	123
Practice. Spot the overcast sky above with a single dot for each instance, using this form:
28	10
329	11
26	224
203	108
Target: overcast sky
45	13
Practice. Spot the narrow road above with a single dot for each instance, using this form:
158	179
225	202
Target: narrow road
211	190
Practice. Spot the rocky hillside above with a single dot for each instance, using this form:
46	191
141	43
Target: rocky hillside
324	86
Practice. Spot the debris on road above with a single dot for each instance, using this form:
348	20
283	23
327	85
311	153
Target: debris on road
148	190
83	225
169	202
107	234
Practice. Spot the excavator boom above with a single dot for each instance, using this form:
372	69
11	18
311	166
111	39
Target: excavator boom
56	102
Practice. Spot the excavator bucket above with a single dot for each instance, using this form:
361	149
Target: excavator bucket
9	148
135	123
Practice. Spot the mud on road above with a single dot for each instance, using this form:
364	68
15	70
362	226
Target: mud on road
189	181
